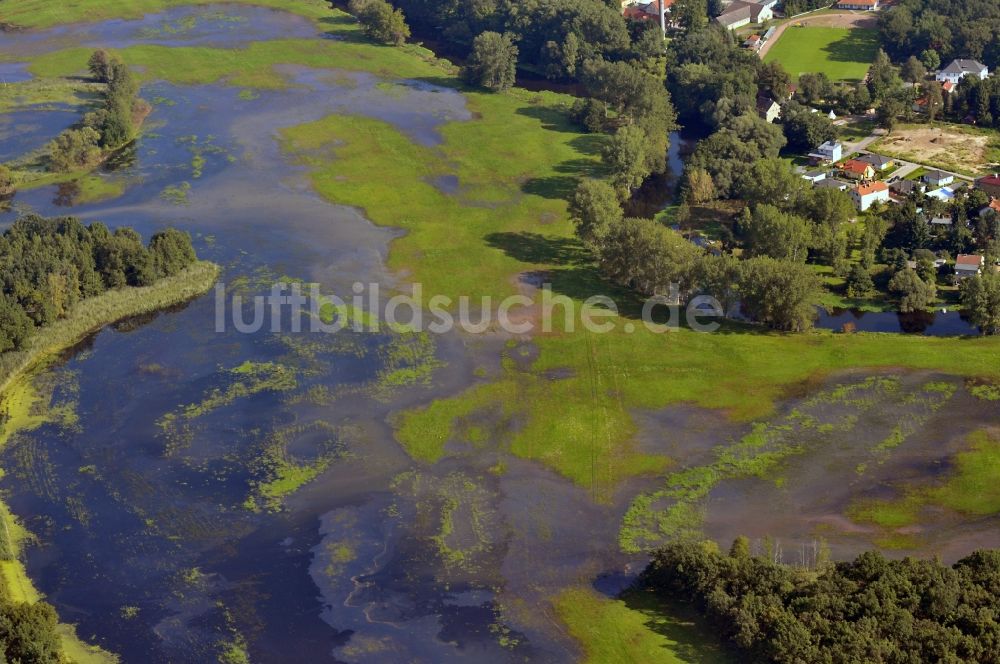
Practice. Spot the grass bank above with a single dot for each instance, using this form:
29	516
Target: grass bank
637	628
45	14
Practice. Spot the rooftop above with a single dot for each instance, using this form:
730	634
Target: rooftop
869	189
960	66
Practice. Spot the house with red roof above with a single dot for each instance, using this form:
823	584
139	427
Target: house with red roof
968	265
989	184
866	195
857	169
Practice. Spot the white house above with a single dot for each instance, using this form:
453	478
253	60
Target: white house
938	178
829	151
866	195
968	265
767	108
741	13
959	69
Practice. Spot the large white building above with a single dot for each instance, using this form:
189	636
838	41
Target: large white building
741	13
866	195
959	69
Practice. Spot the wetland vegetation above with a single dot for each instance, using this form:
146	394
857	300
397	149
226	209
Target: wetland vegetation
446	495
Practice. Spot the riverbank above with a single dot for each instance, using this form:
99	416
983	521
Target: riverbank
18	401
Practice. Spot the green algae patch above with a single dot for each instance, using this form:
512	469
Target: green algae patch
638	628
678	509
283	472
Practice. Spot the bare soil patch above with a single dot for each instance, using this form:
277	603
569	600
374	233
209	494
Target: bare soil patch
950	149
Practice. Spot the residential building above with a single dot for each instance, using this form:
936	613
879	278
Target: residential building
878	162
938	178
644	11
968	265
990	184
814	176
904	188
741	13
767	108
994	206
959	69
831	151
752	42
859	5
866	195
858	170
831	183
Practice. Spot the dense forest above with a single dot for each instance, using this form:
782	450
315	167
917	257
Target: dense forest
936	31
28	633
868	610
48	265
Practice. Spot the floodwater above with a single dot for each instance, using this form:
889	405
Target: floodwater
24	131
141	501
928	323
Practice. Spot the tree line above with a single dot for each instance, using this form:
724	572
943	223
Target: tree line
109	127
937	31
48	265
642	254
867	610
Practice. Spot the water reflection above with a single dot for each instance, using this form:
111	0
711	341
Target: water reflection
927	323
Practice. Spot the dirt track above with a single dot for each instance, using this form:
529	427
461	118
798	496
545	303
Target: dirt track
840	20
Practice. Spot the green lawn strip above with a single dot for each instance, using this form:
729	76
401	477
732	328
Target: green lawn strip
45	14
638	628
840	53
249	67
969	488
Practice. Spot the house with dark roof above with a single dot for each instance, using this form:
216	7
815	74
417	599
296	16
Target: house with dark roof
937	178
878	162
831	183
903	188
741	13
959	69
994	206
767	108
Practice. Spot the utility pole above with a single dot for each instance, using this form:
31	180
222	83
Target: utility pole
663	17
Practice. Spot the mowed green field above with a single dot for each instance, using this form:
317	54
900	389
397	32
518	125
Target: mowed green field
840	53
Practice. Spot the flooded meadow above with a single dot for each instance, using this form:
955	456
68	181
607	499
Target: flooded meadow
192	492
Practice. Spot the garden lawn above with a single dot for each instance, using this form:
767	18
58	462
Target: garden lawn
840	53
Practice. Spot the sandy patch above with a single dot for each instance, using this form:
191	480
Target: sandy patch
939	146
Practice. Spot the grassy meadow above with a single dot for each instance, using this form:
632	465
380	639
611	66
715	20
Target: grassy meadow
843	54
